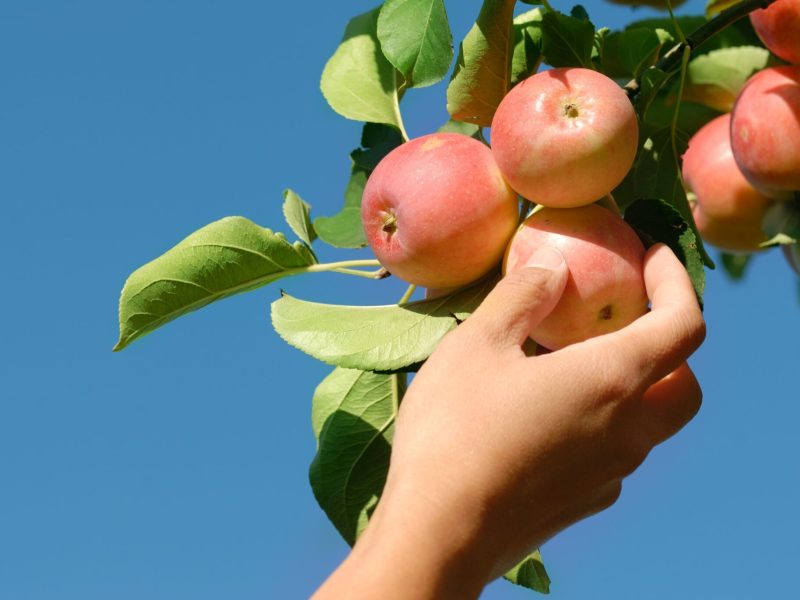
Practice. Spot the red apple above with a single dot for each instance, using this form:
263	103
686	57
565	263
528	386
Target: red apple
728	210
565	137
778	26
437	212
765	131
605	290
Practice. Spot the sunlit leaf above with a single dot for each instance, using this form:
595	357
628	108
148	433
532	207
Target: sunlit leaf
226	257
297	214
358	82
567	41
353	416
482	74
527	53
530	573
373	338
415	37
715	79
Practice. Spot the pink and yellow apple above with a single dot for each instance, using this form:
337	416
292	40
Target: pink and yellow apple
765	131
437	212
728	210
565	137
605	290
778	26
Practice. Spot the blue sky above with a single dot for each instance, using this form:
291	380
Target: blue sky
178	468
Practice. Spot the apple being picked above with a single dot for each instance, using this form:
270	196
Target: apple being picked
728	210
437	212
605	290
765	131
565	137
778	26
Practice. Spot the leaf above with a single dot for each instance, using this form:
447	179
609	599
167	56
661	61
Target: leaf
527	54
297	214
739	33
353	417
468	129
715	79
735	265
226	257
376	142
657	174
344	229
782	222
415	37
482	74
373	338
567	41
714	7
358	82
530	573
658	221
638	49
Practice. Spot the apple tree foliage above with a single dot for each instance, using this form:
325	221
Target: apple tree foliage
679	73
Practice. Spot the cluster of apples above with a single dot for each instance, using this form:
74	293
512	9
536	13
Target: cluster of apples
442	210
740	164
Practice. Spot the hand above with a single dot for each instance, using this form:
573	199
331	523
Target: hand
496	451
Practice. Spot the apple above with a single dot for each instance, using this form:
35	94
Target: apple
565	137
727	209
605	290
437	212
778	26
765	131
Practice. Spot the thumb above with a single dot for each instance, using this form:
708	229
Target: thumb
522	299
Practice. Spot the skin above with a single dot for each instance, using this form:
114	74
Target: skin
565	137
437	212
496	451
778	26
605	289
727	209
765	131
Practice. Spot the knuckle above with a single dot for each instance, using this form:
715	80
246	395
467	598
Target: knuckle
610	496
632	453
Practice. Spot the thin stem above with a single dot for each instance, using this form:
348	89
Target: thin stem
407	296
366	274
673	128
345	267
674	56
678	30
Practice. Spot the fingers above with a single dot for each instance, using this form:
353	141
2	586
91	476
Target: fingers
656	344
521	299
669	404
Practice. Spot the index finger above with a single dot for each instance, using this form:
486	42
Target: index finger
660	341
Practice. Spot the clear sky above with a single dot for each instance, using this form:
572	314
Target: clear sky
178	468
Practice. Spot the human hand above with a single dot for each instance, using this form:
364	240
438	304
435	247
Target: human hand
496	451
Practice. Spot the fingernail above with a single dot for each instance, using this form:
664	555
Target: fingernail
548	257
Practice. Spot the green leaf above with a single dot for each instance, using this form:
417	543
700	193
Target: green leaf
415	37
638	49
782	222
735	265
527	54
373	338
344	229
468	129
714	7
358	82
657	174
226	257
482	75
658	221
530	573
353	416
297	214
715	79
567	41
376	142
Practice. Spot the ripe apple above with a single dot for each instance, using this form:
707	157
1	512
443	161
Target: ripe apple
565	137
765	131
605	290
778	26
728	210
437	212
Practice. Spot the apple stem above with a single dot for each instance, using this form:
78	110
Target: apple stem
673	57
345	267
407	295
